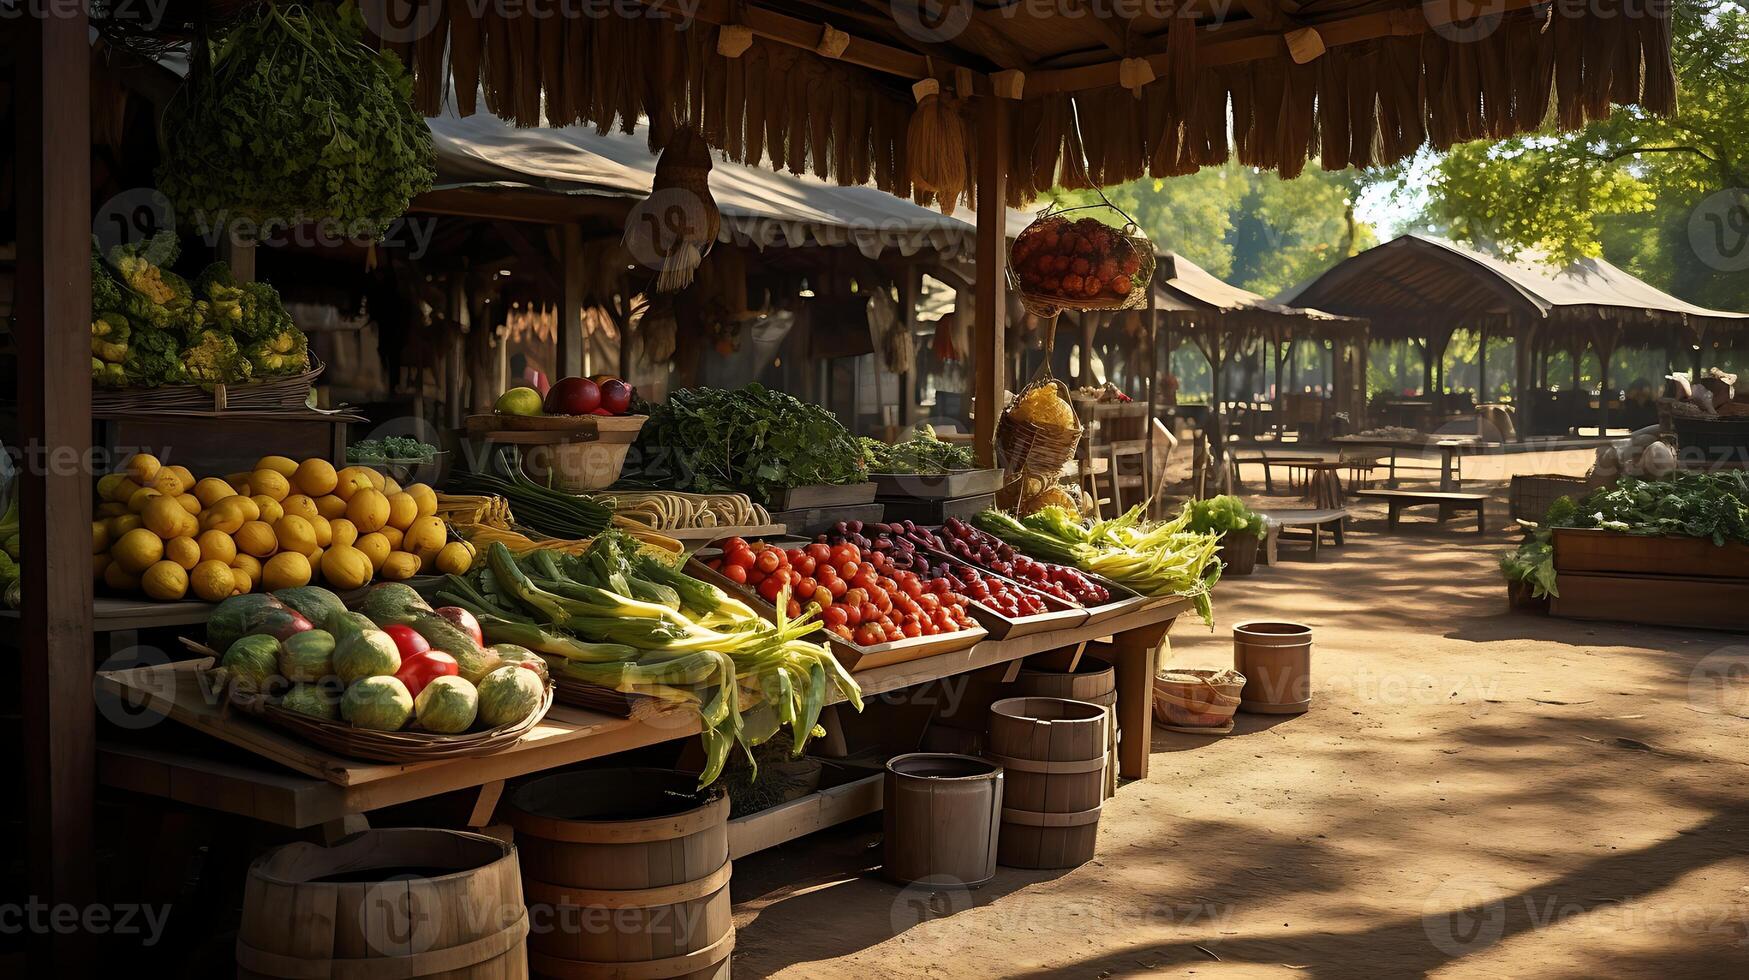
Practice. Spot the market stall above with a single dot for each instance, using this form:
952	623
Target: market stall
1013	107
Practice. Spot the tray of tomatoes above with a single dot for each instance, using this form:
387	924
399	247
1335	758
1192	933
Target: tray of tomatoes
873	612
1103	599
1006	608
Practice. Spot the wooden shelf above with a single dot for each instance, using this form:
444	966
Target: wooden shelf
309	786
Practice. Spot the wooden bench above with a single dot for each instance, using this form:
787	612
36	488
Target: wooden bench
1309	525
1449	503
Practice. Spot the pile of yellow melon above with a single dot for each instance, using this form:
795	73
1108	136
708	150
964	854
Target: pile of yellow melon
161	531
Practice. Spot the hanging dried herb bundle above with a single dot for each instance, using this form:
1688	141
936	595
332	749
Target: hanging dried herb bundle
287	116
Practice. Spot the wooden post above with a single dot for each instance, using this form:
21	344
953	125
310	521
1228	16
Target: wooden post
990	304
52	305
1085	349
910	294
1482	364
570	353
1153	380
240	256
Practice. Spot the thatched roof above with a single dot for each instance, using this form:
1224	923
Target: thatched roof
824	86
1419	285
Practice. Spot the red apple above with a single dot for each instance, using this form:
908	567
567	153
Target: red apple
616	396
573	396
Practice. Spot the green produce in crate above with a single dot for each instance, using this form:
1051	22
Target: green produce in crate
317	604
509	694
313	700
378	703
308	656
447	705
252	659
366	653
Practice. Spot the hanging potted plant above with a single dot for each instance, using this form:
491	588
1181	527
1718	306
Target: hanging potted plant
1241	530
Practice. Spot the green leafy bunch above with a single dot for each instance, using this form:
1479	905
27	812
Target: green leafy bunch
924	452
1225	514
1695	504
288	116
751	440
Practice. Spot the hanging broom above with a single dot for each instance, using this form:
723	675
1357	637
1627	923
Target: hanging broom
679	217
935	144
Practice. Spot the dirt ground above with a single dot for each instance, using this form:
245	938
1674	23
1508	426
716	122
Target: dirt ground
1475	793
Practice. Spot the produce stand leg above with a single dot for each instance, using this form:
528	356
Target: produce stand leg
334	830
485	804
1137	652
1445	454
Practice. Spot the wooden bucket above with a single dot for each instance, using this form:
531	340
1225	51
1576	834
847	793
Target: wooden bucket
1197	697
940	818
1093	680
627	875
1276	659
1054	755
384	905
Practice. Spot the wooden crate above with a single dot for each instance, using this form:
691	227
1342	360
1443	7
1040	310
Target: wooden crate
1591	550
822	495
847	791
1533	495
939	486
1654	600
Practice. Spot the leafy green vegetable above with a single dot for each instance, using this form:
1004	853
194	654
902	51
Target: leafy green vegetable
1533	561
289	116
1700	505
922	453
751	440
1225	514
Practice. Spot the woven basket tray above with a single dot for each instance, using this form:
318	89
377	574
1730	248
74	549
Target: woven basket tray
289	392
400	746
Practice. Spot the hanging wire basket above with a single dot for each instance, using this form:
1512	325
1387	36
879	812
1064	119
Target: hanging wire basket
1058	264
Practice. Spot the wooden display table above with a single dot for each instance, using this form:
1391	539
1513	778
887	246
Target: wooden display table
292	783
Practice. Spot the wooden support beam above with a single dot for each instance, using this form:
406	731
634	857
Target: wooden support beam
570	359
989	332
52	306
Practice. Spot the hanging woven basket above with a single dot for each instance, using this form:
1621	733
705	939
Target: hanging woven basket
1035	435
1058	264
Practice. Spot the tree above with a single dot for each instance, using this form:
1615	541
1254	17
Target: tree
1667	198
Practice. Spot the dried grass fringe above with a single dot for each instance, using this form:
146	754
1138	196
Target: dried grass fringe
1362	104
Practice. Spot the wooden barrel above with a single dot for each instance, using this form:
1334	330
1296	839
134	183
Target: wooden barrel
1093	680
626	872
1276	659
385	905
1053	753
941	813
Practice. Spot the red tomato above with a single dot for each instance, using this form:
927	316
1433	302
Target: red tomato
793	610
735	574
770	587
928	602
843	633
820	552
837	586
410	644
804	585
804	563
852	615
742	556
715	564
869	635
834	616
463	621
792	555
856	597
822	595
870	613
911	584
768	560
730	544
864	579
844	554
422	668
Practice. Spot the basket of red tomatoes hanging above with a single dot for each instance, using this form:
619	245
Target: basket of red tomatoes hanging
1058	263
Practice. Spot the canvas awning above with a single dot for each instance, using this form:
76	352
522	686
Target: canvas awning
1194	295
1418	284
760	208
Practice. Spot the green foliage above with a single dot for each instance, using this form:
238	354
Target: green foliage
1693	504
1623	188
922	453
289	116
1251	228
389	447
154	358
1224	514
751	440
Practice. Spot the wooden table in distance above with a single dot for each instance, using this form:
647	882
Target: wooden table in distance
296	784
